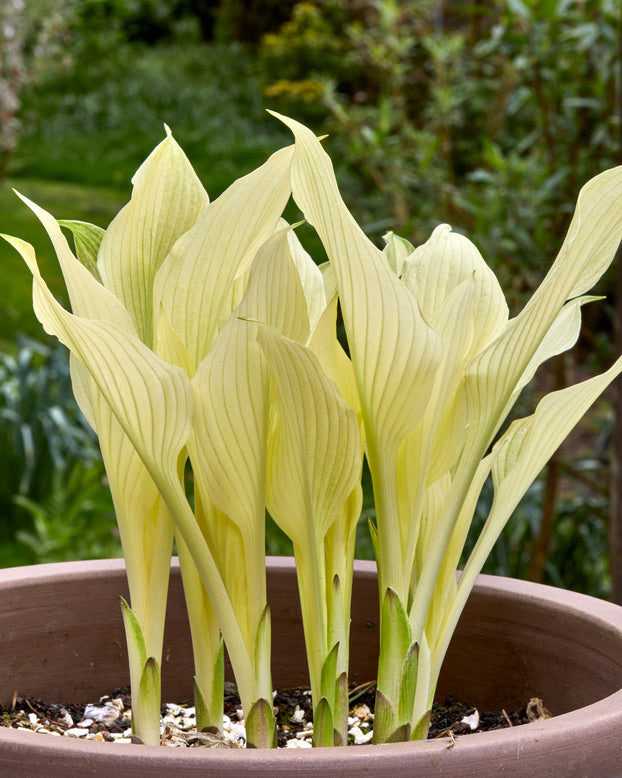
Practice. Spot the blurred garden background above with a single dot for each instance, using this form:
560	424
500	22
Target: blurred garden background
487	115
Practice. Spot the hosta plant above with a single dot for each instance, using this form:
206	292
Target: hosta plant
203	342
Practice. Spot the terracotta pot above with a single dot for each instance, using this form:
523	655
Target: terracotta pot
62	640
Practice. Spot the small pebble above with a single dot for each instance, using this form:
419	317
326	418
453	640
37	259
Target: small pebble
362	713
360	737
106	713
472	720
75	732
295	743
65	719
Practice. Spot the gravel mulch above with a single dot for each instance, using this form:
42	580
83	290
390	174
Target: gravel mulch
109	719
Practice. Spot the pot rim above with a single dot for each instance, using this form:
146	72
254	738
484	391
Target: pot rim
542	734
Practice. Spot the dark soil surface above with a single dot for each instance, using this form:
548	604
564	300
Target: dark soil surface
450	719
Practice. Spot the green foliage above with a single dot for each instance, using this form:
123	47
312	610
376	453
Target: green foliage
143	20
577	557
462	115
51	490
489	117
304	48
116	97
391	93
74	521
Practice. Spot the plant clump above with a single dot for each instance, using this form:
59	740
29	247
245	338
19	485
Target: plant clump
203	339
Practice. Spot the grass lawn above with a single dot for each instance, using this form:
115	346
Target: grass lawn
87	127
63	200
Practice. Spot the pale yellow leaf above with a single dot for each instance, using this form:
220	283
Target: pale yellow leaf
524	449
445	261
230	387
314	458
151	399
333	359
166	201
196	283
561	336
587	251
310	279
394	352
88	298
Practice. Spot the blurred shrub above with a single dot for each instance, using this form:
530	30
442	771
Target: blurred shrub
52	474
486	116
74	521
390	87
577	557
154	21
243	20
144	20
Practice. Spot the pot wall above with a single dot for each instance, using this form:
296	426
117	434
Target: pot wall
63	641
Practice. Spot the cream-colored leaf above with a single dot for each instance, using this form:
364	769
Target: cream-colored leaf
276	293
151	399
228	448
333	359
231	387
587	251
439	266
445	419
89	299
310	278
434	446
153	404
339	547
168	345
314	458
529	443
330	282
196	282
561	336
462	300
450	599
166	200
204	631
591	242
516	460
82	387
145	523
525	448
228	445
394	352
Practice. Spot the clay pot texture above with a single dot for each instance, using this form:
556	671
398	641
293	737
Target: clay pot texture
62	640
